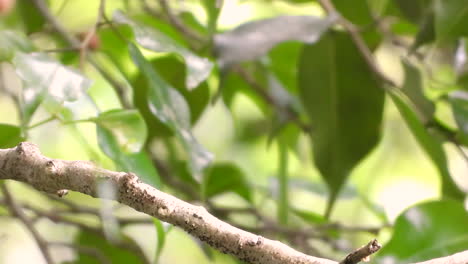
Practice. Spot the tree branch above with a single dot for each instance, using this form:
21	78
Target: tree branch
25	163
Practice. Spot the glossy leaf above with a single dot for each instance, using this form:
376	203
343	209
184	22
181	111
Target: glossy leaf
139	163
110	253
10	136
126	126
61	82
198	69
170	107
430	144
344	102
13	41
426	231
251	40
358	12
226	177
413	89
451	18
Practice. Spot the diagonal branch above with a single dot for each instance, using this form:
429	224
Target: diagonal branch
25	163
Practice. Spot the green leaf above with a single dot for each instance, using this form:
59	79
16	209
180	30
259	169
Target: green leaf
414	10
32	19
167	104
426	33
10	136
139	163
161	231
13	41
358	12
173	71
45	79
309	217
212	11
451	18
459	102
430	144
60	82
254	39
111	253
413	89
126	126
345	103
198	69
226	177
426	231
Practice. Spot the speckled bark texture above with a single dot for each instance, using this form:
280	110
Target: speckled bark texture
25	163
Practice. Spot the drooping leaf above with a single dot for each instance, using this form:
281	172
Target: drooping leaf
451	18
430	144
413	88
127	127
173	72
426	231
139	163
170	107
459	102
109	252
198	69
10	136
13	41
251	40
345	104
226	177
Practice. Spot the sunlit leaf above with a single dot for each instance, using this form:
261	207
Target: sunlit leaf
10	136
430	144
198	69
451	18
170	107
61	82
226	177
426	231
47	79
254	39
345	103
107	252
13	41
127	127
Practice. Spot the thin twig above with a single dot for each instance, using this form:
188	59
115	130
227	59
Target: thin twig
17	212
178	24
363	253
75	43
